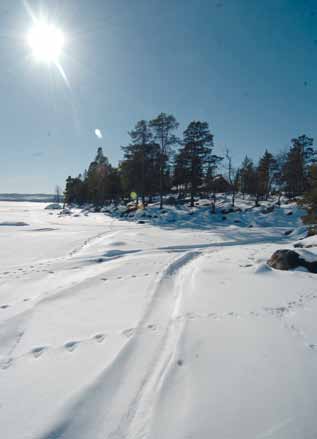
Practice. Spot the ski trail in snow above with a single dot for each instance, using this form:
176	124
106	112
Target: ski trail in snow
136	421
122	397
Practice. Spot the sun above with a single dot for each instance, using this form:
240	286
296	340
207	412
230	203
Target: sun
46	42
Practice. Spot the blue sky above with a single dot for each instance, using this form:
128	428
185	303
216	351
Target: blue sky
247	67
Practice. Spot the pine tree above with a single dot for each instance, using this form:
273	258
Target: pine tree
233	176
195	154
295	172
265	174
140	164
247	177
181	174
310	197
163	127
97	174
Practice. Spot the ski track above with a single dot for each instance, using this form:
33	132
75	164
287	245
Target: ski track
123	414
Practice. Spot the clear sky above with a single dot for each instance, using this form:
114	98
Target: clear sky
247	67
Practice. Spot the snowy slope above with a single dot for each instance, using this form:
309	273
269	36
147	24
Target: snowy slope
113	329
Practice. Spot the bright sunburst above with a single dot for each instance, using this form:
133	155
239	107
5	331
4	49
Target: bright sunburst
46	42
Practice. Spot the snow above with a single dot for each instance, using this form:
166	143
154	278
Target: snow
171	329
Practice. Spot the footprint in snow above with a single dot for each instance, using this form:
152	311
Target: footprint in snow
128	332
38	351
5	364
152	327
71	345
4	306
99	337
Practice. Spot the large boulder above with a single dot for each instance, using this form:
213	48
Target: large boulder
289	260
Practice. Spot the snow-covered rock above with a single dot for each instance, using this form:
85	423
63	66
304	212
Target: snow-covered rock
53	206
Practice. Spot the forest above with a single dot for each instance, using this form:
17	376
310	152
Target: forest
156	162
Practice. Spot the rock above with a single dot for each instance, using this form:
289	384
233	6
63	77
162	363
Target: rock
65	212
230	210
170	201
141	222
13	223
288	232
267	210
289	260
311	231
284	260
299	245
53	206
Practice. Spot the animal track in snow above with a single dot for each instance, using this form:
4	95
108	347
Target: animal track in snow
99	337
132	276
5	364
38	351
128	332
71	345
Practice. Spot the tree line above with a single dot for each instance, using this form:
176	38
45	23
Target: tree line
156	162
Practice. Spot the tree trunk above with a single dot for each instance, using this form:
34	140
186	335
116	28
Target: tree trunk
192	198
257	200
161	191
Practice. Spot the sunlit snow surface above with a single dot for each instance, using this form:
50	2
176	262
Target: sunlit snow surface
174	330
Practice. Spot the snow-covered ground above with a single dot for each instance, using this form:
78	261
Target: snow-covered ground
172	329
